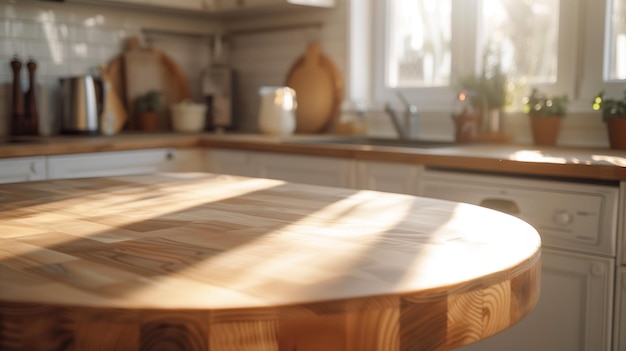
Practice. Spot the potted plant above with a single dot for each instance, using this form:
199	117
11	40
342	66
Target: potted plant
487	91
146	108
545	116
614	115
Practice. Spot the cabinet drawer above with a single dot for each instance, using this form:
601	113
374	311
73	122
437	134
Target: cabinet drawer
22	169
104	164
316	170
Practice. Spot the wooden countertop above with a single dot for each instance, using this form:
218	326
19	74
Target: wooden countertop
586	163
241	263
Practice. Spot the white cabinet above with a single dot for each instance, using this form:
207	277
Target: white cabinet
392	177
327	171
573	313
116	163
577	223
316	170
402	178
619	342
192	5
231	8
22	169
232	162
251	5
180	4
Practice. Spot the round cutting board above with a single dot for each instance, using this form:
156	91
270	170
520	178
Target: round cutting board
319	91
138	70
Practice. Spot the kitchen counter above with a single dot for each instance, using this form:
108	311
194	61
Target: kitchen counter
587	163
200	261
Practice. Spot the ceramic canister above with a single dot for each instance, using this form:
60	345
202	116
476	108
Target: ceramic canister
277	110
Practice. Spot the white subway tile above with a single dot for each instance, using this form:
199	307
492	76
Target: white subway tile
5	28
7	11
26	30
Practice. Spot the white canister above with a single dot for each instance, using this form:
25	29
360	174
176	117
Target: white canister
277	110
188	116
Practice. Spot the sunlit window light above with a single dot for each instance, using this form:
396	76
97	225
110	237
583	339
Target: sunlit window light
48	22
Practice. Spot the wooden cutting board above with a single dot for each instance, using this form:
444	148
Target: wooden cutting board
171	81
142	72
319	91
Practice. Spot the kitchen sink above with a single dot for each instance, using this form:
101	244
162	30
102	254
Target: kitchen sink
373	141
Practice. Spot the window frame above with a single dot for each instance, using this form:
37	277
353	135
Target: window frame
580	73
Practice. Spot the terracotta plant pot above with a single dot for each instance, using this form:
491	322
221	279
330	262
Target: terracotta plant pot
545	129
616	127
148	121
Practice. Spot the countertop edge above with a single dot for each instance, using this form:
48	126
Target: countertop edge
596	164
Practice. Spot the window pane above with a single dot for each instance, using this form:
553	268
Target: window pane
617	41
523	35
419	43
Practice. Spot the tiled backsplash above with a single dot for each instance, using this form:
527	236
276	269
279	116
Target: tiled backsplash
68	39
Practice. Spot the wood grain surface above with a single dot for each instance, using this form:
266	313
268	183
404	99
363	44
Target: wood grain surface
211	262
319	91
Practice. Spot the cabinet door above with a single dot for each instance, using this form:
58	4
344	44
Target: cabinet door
230	5
315	170
573	313
185	160
115	163
180	4
232	162
22	169
390	177
619	343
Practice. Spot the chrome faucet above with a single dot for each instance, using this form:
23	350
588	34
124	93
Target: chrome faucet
408	128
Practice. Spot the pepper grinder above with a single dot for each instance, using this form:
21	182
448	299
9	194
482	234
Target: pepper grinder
31	116
17	109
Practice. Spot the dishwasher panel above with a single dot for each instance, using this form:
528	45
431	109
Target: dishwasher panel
571	216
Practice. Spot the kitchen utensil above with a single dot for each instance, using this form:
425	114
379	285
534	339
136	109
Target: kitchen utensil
277	110
174	85
318	84
17	109
188	116
114	114
81	104
30	103
24	118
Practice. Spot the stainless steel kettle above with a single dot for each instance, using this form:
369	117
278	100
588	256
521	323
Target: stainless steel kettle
82	100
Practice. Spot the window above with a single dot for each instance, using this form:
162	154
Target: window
419	43
616	48
527	49
423	48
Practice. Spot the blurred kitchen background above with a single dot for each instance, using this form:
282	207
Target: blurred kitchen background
74	37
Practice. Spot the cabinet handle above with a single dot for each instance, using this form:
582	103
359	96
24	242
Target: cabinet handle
502	205
597	270
169	155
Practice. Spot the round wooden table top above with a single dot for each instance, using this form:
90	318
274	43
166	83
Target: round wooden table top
215	262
